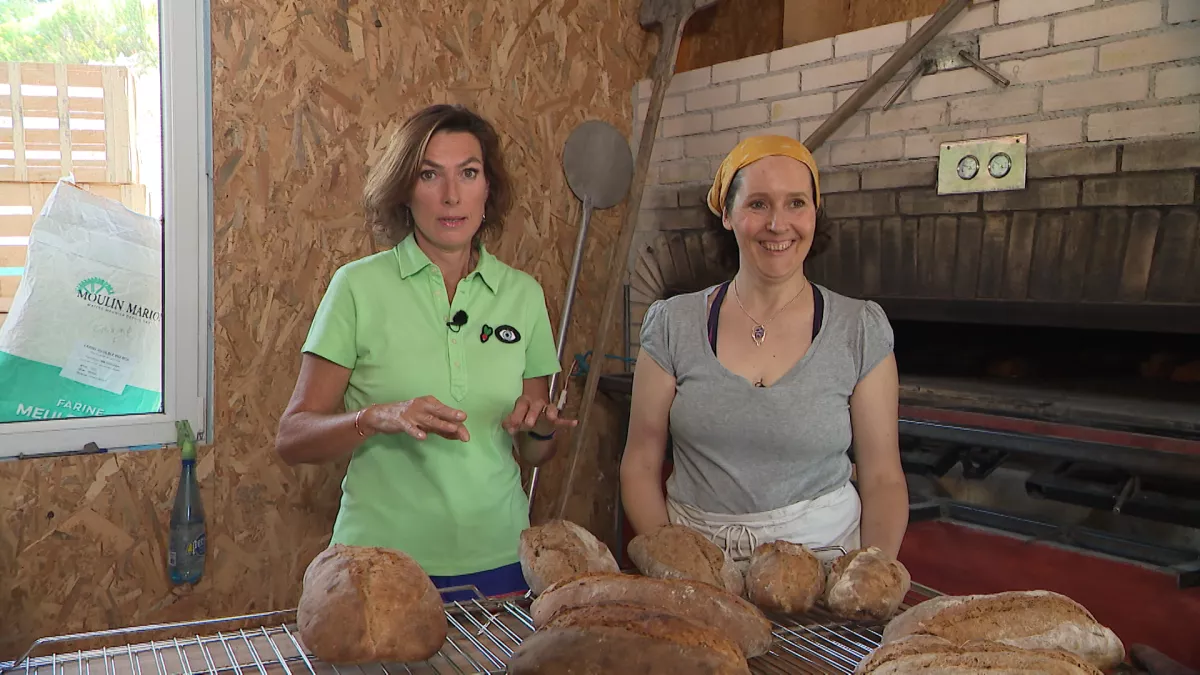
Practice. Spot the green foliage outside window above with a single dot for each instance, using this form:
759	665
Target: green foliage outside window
80	32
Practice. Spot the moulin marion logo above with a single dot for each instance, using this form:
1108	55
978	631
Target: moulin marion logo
99	293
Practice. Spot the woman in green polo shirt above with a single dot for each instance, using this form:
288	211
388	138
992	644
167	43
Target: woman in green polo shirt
440	355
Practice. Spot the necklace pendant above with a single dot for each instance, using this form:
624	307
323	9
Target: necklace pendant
759	334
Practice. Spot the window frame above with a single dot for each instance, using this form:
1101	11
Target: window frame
187	364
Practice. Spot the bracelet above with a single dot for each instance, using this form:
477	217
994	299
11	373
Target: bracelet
356	419
538	437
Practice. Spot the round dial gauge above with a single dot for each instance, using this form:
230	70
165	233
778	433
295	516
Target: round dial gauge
1000	165
968	167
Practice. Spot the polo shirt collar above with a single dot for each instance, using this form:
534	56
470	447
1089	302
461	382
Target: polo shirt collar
413	260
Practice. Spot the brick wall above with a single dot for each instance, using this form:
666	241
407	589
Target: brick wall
1107	90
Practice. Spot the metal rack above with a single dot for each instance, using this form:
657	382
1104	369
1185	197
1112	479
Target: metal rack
481	639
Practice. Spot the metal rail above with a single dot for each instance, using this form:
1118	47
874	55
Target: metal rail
482	636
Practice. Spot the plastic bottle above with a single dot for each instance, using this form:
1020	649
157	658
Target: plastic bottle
186	545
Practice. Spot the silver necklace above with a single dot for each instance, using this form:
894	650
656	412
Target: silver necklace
760	327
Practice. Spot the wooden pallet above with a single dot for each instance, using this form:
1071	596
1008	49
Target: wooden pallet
67	119
59	120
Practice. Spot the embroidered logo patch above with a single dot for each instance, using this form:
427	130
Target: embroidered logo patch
485	333
507	334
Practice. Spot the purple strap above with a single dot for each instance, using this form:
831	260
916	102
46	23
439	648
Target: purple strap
715	312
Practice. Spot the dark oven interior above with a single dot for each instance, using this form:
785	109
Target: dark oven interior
1131	380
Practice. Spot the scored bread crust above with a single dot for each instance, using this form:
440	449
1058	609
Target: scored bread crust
866	584
367	604
1025	619
559	550
931	655
680	552
617	638
708	605
784	577
650	623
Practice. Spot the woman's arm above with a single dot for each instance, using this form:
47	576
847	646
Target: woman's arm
646	446
874	418
311	431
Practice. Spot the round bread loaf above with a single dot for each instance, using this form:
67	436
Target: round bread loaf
368	605
931	655
680	552
702	603
618	638
784	577
560	550
866	583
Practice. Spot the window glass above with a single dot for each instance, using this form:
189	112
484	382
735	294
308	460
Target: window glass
81	210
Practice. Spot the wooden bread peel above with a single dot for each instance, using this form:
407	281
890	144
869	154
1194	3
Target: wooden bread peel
672	16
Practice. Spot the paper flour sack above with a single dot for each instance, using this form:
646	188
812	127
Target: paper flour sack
84	335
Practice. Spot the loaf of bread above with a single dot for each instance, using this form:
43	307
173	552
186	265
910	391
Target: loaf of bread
866	584
1025	619
367	605
617	638
931	655
710	606
680	552
561	550
784	577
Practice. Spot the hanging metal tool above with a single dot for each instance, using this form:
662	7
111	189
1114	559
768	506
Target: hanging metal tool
599	168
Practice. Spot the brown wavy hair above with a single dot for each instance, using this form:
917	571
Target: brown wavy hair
390	183
727	246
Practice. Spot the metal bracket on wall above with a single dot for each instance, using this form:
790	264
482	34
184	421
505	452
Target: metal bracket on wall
944	55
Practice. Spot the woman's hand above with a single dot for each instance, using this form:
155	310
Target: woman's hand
417	418
535	414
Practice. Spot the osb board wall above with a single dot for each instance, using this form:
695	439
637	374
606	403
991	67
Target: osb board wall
305	94
728	31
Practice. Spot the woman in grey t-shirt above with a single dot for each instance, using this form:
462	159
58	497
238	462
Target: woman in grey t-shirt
765	382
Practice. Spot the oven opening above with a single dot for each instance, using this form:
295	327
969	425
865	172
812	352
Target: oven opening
1125	380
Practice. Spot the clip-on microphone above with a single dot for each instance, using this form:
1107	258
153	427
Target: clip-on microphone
459	320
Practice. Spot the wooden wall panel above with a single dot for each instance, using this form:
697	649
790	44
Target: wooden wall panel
730	30
305	95
808	20
870	13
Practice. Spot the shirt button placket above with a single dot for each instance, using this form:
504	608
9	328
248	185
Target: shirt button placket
458	374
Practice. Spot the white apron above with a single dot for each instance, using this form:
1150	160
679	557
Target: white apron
829	520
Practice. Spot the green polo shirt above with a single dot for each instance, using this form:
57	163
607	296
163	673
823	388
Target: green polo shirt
456	508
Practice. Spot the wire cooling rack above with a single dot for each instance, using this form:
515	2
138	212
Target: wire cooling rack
482	636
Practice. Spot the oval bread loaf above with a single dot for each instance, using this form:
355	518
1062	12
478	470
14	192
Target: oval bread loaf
866	583
705	604
931	655
616	638
1025	619
784	577
559	550
366	605
680	552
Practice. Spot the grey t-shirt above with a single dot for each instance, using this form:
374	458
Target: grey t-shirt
745	449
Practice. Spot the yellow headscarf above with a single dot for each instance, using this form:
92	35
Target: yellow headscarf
751	150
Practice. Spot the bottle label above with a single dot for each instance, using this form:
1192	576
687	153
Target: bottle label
197	545
171	558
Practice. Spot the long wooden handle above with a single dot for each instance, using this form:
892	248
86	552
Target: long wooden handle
618	257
